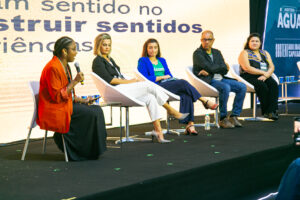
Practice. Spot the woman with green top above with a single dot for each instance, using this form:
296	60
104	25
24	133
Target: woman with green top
155	69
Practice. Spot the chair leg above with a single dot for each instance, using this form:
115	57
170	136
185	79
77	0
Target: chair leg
65	149
45	142
127	123
121	124
216	118
254	117
217	114
26	145
127	137
168	122
127	134
169	130
254	105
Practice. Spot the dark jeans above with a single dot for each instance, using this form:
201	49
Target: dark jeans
188	95
225	86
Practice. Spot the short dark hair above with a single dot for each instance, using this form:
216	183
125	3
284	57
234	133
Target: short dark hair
249	38
62	43
151	40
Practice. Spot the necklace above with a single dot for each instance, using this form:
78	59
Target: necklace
154	61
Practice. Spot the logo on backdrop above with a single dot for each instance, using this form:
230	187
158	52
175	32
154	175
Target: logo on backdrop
282	39
288	18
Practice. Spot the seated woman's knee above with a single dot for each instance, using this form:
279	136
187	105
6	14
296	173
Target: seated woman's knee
260	85
182	83
273	83
93	110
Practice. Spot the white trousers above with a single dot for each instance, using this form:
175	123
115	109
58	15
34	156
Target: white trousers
148	93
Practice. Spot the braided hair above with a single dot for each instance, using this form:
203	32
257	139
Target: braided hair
60	44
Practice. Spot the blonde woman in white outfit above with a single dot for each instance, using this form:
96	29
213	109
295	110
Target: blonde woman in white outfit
105	67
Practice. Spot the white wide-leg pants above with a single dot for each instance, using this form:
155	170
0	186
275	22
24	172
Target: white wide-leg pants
148	93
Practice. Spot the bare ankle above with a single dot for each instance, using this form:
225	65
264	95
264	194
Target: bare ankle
202	99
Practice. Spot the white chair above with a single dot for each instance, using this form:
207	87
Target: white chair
34	88
111	94
235	72
205	90
172	97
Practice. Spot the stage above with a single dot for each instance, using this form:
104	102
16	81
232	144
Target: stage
216	164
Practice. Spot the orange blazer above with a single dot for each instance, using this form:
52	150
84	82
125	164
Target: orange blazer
55	105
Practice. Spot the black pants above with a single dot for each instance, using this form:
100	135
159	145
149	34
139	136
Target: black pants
267	92
86	139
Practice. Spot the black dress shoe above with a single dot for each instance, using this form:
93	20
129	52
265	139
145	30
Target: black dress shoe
274	116
271	115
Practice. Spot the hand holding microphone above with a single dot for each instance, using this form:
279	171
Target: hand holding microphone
79	77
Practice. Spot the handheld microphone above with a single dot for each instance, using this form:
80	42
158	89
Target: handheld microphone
78	70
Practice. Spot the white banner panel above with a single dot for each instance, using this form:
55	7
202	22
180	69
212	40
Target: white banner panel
29	29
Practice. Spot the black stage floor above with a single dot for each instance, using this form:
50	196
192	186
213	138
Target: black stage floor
216	164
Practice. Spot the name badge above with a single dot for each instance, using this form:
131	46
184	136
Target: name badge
263	66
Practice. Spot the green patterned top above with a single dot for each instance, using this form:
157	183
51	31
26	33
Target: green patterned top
159	69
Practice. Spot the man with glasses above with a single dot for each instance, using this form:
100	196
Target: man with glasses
209	65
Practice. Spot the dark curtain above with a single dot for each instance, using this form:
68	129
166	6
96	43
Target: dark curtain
257	16
257	21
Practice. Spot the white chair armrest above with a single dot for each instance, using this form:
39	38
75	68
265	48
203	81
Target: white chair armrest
234	70
275	78
172	96
203	88
111	93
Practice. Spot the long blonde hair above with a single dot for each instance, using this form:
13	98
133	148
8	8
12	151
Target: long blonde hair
98	42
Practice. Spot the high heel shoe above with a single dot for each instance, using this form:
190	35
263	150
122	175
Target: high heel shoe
189	132
183	116
206	106
162	141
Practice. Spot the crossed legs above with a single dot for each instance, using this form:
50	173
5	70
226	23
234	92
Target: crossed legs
153	97
188	95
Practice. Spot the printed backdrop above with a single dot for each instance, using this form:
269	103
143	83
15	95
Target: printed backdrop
282	39
29	29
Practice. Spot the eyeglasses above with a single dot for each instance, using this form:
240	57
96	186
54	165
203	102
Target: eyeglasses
207	40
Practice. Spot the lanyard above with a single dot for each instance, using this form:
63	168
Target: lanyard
119	73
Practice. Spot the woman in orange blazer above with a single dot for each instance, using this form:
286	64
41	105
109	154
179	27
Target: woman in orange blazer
61	111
